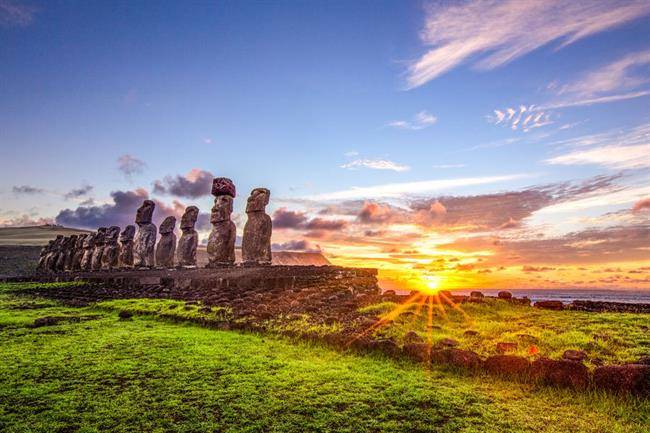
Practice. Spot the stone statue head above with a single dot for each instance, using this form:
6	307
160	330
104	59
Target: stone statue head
127	234
223	186
111	234
100	236
189	218
167	226
72	241
57	242
222	209
258	200
89	240
80	241
145	212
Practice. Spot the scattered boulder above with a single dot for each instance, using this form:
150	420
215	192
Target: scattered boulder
550	305
504	295
48	321
386	346
624	379
420	352
470	333
458	358
476	295
527	338
413	337
574	355
447	342
508	365
125	314
503	347
560	373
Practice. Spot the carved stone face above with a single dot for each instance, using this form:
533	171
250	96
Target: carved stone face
223	186
80	241
145	212
258	200
111	234
167	226
72	241
222	209
189	218
89	241
100	236
57	242
127	234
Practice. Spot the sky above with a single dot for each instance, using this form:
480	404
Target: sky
468	144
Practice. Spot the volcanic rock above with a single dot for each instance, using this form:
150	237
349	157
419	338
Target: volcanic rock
560	373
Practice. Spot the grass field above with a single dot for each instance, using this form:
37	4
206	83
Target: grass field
611	337
94	372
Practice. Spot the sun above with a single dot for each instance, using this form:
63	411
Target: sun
430	284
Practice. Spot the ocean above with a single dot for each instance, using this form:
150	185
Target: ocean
569	295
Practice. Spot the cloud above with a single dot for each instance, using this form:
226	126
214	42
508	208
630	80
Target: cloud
376	164
26	190
286	219
493	33
618	149
421	120
129	165
14	14
614	77
641	205
326	224
120	212
196	183
400	189
25	221
524	118
296	245
78	192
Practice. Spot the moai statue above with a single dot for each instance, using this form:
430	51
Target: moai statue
126	247
98	251
221	243
186	251
61	258
166	247
78	253
43	256
89	248
111	249
69	252
145	239
53	256
256	244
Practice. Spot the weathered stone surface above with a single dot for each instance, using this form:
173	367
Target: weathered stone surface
624	379
78	253
221	242
43	256
166	249
508	365
574	355
504	295
420	352
476	295
98	251
256	243
111	252
447	342
412	337
187	244
458	358
89	247
53	256
125	259
550	305
560	373
223	186
145	239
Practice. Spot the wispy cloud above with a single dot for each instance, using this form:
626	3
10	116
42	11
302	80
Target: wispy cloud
129	165
421	120
524	118
399	189
375	164
26	190
620	149
14	14
495	32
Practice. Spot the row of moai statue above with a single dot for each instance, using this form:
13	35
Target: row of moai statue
108	248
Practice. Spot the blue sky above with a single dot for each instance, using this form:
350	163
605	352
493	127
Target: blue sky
314	98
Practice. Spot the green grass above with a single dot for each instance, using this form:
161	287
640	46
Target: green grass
152	374
612	337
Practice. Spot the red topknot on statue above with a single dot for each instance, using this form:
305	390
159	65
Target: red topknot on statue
223	186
